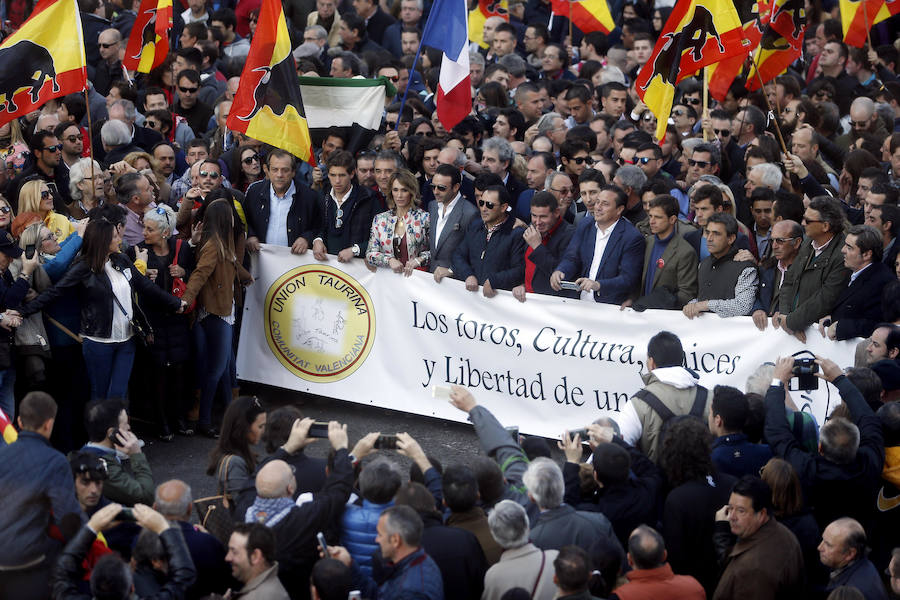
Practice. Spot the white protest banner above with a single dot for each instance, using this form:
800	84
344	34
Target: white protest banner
338	330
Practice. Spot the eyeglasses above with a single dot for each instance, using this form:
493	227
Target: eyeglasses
625	161
805	220
45	194
487	205
394	78
679	113
648	117
859	124
5	210
339	218
562	192
722	132
56	148
698	163
48	238
579	160
210	174
821	94
784	240
188	90
105	46
149	123
439	187
74	138
250	159
391	124
694	101
643	160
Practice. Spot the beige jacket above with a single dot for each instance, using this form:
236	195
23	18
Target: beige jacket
265	586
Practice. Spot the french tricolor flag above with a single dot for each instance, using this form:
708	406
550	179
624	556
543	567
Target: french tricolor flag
447	30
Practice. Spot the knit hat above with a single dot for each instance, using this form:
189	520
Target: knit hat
21	223
611	463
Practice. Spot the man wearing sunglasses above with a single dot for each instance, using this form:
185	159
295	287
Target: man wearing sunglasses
491	254
863	119
280	210
189	106
787	236
109	68
450	218
47	152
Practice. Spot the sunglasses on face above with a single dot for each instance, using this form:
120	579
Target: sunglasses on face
56	148
45	194
694	101
859	124
394	78
188	90
580	160
487	205
104	46
151	124
642	160
439	187
5	210
722	132
698	163
648	117
625	161
74	138
210	174
821	95
679	113
250	159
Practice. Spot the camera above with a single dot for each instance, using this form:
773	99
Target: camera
804	370
386	442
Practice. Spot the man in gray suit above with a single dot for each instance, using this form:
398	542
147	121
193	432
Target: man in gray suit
450	217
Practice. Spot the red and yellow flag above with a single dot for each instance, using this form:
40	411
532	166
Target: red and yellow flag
754	15
43	60
857	17
267	105
587	15
694	36
481	13
148	43
7	430
781	44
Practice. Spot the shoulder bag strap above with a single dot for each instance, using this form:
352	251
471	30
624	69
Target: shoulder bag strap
699	402
222	474
656	404
540	572
177	250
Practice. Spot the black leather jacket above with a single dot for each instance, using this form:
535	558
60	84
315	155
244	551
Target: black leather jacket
95	292
69	572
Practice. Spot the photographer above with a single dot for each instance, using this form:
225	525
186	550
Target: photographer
844	477
111	576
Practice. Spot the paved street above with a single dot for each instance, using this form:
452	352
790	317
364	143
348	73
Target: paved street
186	458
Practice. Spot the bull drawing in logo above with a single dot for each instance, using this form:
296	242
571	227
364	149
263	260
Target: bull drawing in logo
495	7
148	33
276	88
694	37
26	65
796	12
748	12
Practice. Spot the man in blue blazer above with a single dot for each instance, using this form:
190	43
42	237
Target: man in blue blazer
606	254
450	216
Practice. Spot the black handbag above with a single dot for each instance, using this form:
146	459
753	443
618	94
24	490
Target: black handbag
142	331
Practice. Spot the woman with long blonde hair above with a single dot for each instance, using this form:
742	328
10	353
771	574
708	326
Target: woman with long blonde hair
35	196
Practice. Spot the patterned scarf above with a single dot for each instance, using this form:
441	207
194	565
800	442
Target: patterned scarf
268	511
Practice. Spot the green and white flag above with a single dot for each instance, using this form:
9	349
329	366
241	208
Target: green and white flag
356	106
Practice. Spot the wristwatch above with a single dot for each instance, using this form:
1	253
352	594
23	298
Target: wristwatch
355	249
776	382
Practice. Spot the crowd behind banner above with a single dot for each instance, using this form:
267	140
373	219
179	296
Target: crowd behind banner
125	237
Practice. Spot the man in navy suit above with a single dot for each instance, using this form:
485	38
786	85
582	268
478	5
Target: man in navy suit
858	308
450	217
605	255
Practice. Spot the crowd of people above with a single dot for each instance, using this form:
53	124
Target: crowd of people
126	233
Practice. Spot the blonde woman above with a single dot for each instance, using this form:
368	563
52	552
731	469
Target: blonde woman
399	236
35	196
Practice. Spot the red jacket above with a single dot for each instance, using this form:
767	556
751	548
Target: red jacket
659	584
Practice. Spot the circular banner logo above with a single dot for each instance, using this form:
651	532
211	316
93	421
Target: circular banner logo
320	323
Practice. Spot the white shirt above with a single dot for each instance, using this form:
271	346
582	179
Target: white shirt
444	214
600	241
121	322
279	206
187	17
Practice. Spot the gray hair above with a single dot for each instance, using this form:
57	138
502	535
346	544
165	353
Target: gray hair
758	382
515	64
544	481
404	521
612	73
509	524
548	183
320	32
177	507
545	123
503	149
839	439
115	133
419	4
220	103
691	143
391	155
475	58
460	157
127	107
78	172
379	481
165	220
770	175
632	176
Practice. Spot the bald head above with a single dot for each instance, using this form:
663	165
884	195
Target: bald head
173	500
646	548
275	480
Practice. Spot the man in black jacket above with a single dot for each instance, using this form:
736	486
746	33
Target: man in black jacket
295	526
347	209
490	255
111	573
280	210
547	238
844	477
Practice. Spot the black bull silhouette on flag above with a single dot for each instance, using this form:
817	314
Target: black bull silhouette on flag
275	88
27	65
775	40
693	36
148	33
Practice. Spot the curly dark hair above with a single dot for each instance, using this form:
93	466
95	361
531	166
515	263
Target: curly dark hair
686	450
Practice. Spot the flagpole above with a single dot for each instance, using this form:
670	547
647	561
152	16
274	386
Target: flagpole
406	91
570	22
762	87
87	103
705	101
866	21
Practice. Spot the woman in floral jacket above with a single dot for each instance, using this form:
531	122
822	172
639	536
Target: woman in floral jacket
399	238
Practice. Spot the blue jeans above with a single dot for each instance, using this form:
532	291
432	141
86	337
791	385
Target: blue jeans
108	367
213	341
7	398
